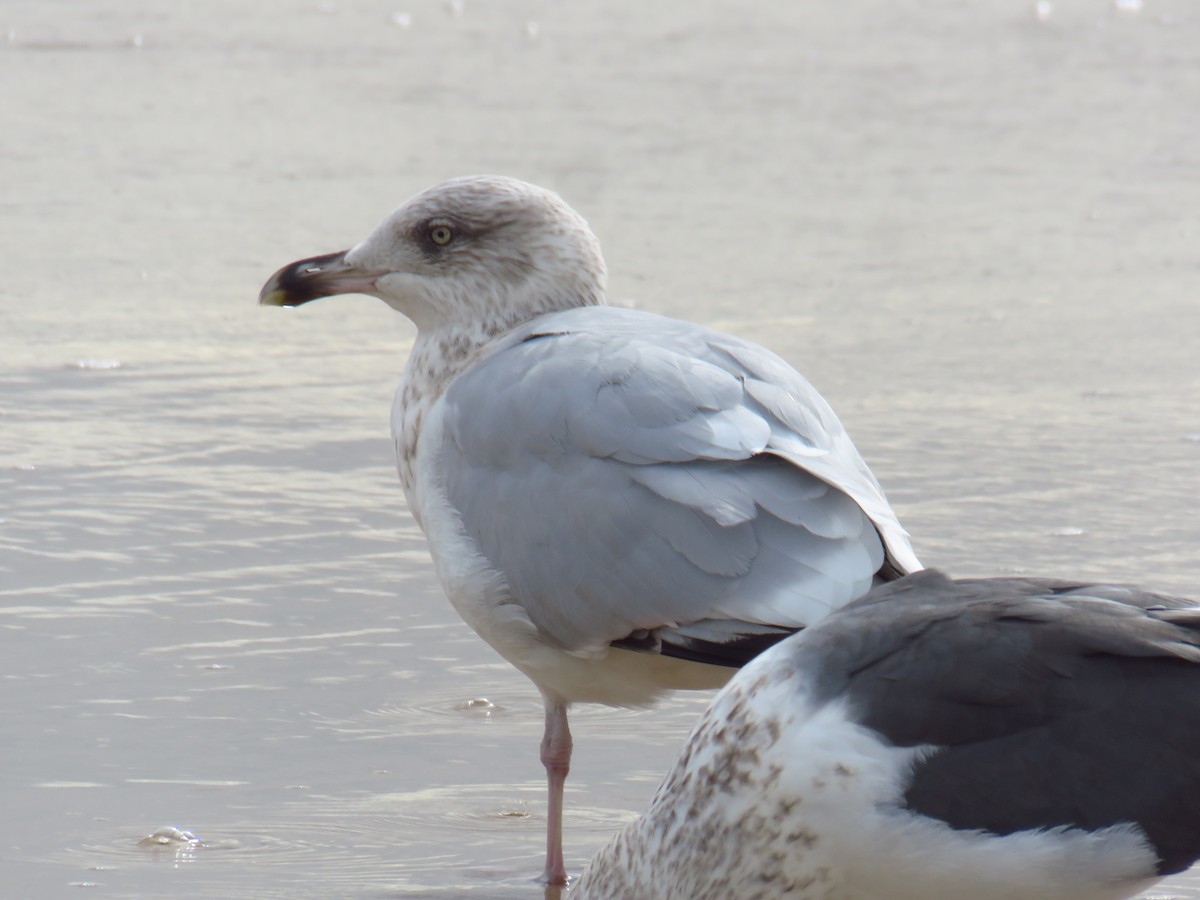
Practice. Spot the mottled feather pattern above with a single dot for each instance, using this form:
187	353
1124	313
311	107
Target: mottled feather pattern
999	738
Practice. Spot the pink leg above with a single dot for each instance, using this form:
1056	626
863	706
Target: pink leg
556	757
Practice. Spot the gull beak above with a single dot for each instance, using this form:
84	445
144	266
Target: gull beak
316	277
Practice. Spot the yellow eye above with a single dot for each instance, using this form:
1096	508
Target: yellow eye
441	235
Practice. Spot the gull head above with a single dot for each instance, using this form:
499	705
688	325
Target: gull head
481	252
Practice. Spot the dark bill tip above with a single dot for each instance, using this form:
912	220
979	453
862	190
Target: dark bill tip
313	278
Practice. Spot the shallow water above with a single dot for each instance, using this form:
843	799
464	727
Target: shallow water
972	226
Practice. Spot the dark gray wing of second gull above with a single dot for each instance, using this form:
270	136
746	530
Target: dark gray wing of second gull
1081	703
654	483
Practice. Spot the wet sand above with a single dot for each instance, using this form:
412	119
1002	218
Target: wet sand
973	227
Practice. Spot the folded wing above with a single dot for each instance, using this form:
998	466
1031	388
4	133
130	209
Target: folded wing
649	480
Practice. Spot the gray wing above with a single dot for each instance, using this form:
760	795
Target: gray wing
1050	704
629	473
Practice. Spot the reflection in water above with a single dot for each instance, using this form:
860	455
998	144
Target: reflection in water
967	226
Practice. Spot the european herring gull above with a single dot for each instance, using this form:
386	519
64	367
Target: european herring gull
621	504
992	739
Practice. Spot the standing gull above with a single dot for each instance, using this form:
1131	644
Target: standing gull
997	739
621	504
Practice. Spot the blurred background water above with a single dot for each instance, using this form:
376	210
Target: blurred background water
972	225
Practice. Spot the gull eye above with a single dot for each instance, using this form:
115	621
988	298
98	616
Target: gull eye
441	234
